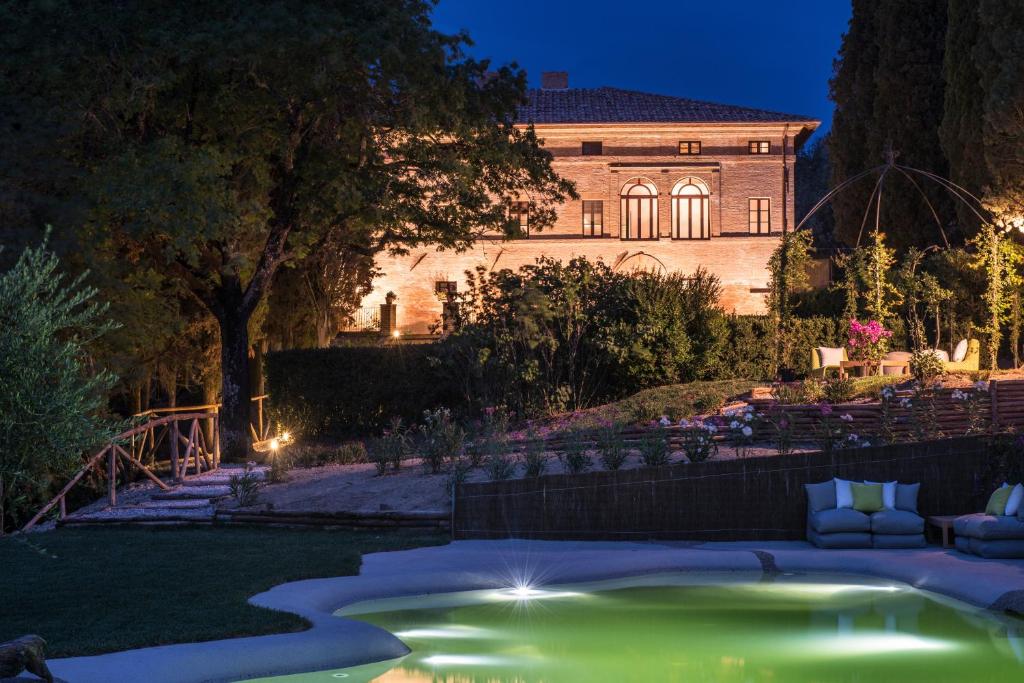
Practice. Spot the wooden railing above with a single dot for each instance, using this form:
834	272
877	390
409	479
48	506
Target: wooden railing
178	431
120	460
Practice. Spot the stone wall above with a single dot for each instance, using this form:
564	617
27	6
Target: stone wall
648	151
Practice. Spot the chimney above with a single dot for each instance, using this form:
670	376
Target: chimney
554	80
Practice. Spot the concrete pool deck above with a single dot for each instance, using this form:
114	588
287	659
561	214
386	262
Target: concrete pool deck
334	642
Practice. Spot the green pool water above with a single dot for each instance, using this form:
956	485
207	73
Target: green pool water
693	629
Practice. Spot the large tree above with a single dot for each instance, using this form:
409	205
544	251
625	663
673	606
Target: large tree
223	138
889	89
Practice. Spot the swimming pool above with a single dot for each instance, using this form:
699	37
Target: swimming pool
693	628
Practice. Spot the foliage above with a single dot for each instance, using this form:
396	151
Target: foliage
1000	261
810	390
39	594
698	439
741	426
838	389
392	447
887	417
279	464
301	118
654	448
831	430
51	395
441	441
501	465
926	366
245	487
868	341
574	456
924	418
457	474
554	336
610	446
341	391
890	49
781	424
970	402
788	267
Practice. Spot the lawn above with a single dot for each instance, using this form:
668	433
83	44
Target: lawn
87	591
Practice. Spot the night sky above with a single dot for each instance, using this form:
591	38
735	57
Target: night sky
770	55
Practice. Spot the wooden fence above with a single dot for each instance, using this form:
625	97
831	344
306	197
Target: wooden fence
755	498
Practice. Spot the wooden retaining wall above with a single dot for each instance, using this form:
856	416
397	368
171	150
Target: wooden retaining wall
755	499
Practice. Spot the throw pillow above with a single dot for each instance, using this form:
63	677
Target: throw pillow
888	493
830	357
960	352
844	494
1014	501
997	501
906	497
867	497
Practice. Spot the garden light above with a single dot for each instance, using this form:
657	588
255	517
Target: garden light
274	444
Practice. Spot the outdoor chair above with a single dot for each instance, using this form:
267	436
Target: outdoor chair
998	532
825	357
967	360
892	522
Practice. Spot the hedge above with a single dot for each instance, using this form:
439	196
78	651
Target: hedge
357	389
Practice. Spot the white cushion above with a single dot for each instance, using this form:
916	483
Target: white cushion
830	357
960	352
1013	503
941	354
844	493
888	493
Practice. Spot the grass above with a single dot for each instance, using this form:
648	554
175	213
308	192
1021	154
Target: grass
88	591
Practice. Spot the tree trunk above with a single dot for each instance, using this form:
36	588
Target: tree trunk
234	359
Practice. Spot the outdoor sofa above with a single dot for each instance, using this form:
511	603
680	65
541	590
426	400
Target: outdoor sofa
887	519
824	358
999	531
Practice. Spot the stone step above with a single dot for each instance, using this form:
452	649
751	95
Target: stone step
123	515
174	504
190	492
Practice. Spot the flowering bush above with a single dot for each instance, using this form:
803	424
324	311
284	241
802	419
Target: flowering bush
741	429
969	401
868	341
831	431
698	439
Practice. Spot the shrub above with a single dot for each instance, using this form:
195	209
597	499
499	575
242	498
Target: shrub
442	439
356	390
698	440
500	466
457	474
51	401
392	447
838	389
574	456
280	463
534	460
654	448
245	487
610	446
348	454
741	429
925	366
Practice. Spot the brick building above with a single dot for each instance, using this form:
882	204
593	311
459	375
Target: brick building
665	182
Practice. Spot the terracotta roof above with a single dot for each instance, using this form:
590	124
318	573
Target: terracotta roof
612	105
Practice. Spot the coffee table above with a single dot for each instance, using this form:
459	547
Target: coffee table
945	523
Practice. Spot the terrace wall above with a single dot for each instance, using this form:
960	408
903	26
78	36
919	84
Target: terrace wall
750	499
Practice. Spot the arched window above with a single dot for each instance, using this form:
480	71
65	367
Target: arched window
638	210
691	215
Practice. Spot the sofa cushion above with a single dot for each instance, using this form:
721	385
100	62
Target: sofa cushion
830	357
888	493
997	501
960	352
897	522
844	493
989	527
1013	503
839	520
867	497
996	550
898	541
821	496
906	496
845	540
